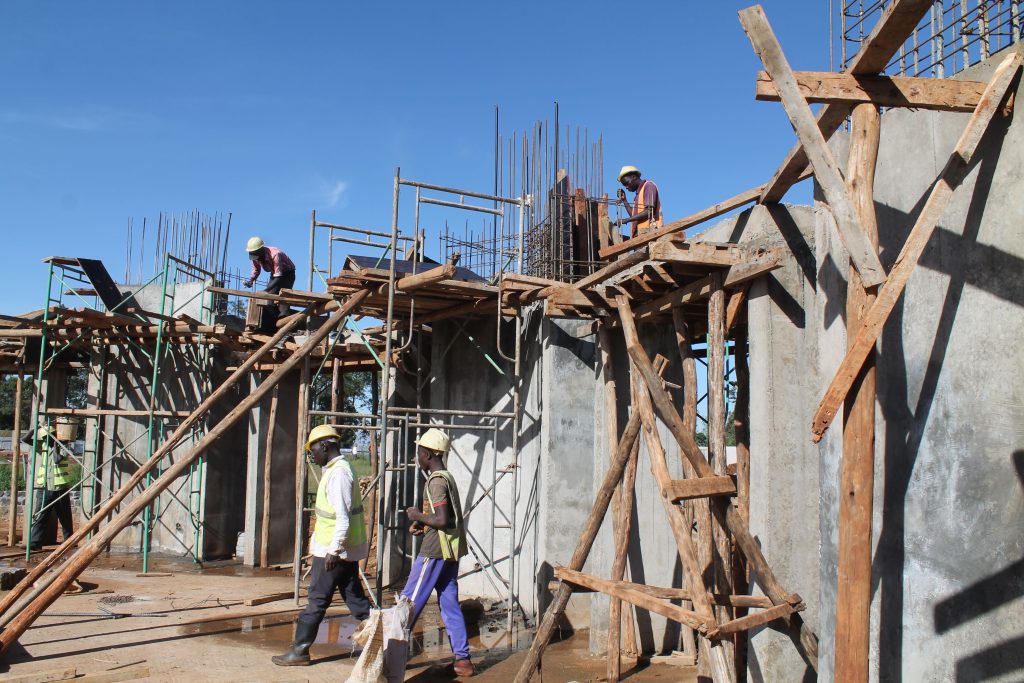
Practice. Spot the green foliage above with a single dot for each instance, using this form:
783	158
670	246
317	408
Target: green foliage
357	399
5	478
7	386
702	439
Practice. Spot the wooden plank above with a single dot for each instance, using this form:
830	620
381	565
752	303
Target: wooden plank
826	171
703	487
853	599
589	532
271	597
950	178
761	263
51	586
940	94
665	609
665	593
697	253
897	22
756	619
735	305
12	511
612	268
43	676
695	291
268	459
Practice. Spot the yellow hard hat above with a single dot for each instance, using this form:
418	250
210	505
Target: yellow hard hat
254	244
435	440
626	170
321	432
45	431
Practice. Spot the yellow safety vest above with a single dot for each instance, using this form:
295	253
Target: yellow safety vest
453	539
653	222
50	475
323	531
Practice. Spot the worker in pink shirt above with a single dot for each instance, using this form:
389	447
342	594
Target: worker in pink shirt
275	262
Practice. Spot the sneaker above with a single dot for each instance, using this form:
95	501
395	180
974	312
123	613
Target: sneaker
464	667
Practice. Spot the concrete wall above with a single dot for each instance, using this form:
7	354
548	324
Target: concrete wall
949	490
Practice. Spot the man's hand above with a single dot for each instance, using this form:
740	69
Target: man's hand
413	514
416	529
248	283
331	562
621	195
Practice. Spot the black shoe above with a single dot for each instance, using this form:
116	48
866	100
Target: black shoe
298	653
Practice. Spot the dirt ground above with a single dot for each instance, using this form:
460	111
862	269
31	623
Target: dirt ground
193	626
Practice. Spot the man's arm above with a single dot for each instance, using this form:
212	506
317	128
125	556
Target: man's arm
253	274
439	518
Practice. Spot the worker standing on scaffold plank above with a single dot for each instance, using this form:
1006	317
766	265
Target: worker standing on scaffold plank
645	214
339	543
275	262
444	543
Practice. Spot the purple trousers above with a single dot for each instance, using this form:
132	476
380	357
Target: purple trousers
442	576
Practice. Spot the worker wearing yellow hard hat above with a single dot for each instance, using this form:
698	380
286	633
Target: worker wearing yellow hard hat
645	212
338	543
273	261
51	488
441	524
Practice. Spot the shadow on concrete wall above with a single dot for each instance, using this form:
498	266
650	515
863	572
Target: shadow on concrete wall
905	424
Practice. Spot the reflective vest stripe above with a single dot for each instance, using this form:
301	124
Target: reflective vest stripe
48	473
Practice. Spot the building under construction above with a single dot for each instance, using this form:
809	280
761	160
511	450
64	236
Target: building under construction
767	441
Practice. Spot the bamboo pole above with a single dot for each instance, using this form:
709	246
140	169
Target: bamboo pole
268	459
856	488
78	562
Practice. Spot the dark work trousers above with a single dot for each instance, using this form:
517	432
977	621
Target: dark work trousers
345	579
276	284
43	532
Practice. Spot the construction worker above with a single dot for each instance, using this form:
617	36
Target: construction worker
275	262
51	489
338	544
645	214
436	567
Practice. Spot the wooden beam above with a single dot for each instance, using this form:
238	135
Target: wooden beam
756	619
856	488
897	22
51	587
941	194
271	597
410	283
613	268
703	487
762	262
669	593
736	301
940	94
642	600
268	472
699	253
826	171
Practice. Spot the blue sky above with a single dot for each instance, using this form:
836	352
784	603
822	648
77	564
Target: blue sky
268	110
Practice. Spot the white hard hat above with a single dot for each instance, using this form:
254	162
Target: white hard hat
435	440
254	244
626	170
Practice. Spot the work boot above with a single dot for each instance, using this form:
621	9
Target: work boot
464	668
298	653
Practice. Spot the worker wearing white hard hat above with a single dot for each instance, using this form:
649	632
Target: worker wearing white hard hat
441	524
275	262
645	212
338	544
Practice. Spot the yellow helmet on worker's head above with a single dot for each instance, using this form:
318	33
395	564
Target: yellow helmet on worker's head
321	432
435	440
45	431
626	170
254	244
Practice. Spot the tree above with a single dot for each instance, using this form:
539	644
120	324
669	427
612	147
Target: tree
357	399
7	386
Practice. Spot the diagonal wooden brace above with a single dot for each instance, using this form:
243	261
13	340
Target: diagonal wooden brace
826	171
952	176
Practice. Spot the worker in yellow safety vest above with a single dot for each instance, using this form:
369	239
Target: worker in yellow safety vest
338	544
645	214
52	495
